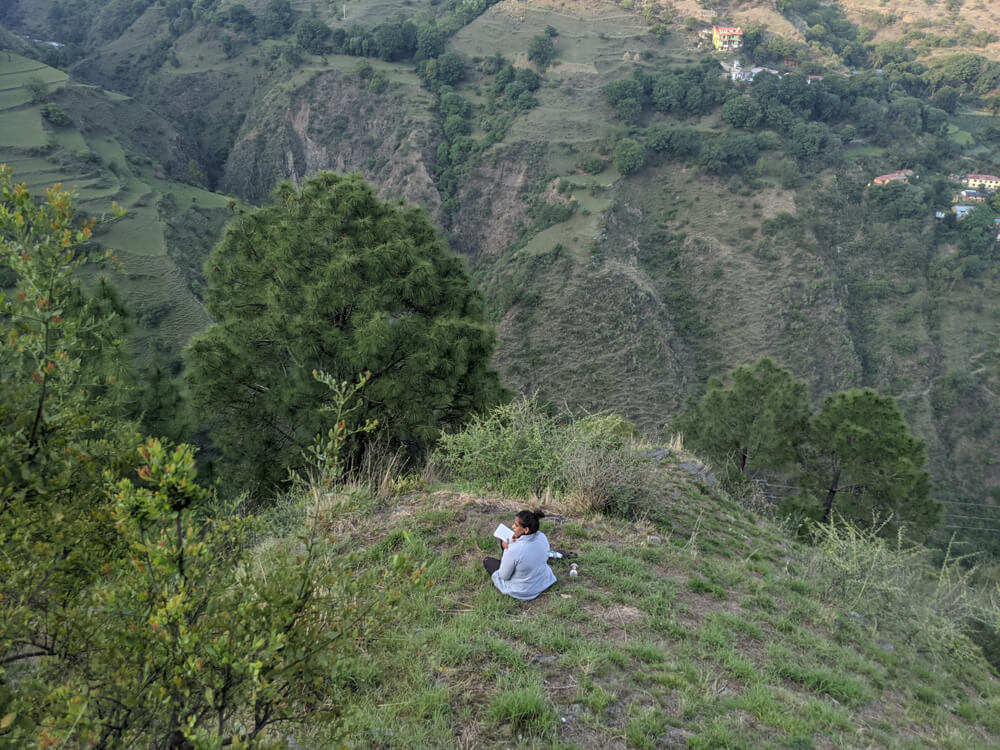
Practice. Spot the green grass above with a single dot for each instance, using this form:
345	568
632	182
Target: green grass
10	98
22	128
961	137
630	652
16	70
522	704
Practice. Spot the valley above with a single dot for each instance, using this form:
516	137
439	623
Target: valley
611	290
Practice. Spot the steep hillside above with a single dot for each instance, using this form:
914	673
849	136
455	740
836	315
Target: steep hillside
333	121
627	292
701	627
110	148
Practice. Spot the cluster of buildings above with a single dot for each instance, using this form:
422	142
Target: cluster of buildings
738	73
977	190
987	182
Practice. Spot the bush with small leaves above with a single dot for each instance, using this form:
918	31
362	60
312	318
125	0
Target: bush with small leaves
629	156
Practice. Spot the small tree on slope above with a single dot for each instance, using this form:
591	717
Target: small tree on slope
756	422
861	463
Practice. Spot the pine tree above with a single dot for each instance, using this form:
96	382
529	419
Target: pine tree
330	278
863	465
756	422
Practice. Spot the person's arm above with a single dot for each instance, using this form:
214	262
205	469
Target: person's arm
508	564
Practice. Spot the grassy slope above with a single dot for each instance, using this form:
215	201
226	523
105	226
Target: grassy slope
706	630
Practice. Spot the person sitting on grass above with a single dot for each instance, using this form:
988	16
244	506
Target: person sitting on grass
523	572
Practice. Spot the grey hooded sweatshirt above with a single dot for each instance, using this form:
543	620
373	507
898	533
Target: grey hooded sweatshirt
524	568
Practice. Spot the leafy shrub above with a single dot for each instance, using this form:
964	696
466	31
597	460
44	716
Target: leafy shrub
592	165
582	464
629	156
56	115
37	89
313	35
542	51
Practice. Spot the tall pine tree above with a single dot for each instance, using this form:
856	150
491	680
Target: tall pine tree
330	278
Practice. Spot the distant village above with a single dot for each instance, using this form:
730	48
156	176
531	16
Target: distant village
977	189
726	38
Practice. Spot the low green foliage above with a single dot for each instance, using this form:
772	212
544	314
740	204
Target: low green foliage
585	463
934	608
525	707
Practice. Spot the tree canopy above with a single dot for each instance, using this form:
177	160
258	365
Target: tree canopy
542	50
330	278
862	463
131	611
757	421
629	156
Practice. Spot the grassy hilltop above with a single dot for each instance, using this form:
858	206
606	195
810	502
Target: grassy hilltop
698	625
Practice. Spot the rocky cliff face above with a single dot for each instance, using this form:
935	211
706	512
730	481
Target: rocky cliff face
335	122
491	206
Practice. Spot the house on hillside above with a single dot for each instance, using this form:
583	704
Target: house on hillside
902	175
970	196
984	181
727	37
961	211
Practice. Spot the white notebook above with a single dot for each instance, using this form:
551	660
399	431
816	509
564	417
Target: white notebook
503	533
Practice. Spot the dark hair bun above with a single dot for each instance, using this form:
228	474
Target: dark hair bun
538	514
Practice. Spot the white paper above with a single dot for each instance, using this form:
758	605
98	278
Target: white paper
503	533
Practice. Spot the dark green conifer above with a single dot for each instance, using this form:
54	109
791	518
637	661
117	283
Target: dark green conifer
863	465
328	277
756	422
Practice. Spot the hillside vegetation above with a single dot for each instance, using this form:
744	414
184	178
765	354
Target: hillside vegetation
740	224
324	585
700	626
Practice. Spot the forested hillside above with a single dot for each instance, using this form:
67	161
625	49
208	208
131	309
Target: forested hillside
300	299
637	220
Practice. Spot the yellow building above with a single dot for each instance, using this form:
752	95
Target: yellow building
727	37
981	181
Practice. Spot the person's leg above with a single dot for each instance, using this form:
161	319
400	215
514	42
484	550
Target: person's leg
491	564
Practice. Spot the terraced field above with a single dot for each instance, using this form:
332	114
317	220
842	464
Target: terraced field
101	169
